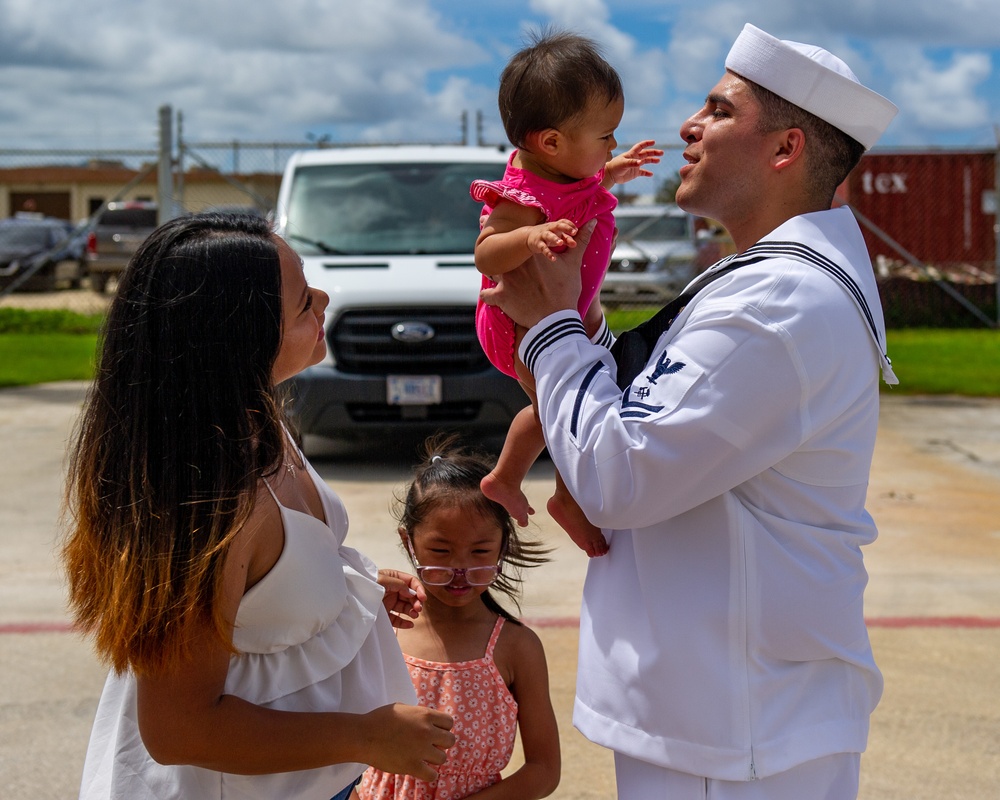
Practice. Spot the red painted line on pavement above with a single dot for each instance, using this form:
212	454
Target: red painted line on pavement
934	622
873	622
574	622
36	627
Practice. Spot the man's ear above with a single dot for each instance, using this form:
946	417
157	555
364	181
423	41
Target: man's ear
547	141
790	144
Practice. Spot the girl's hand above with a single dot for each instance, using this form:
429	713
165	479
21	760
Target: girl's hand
629	165
404	594
551	238
407	740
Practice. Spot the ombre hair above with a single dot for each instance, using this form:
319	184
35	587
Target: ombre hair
180	425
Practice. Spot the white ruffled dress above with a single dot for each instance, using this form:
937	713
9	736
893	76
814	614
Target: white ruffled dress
313	636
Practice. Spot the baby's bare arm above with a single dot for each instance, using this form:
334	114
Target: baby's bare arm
631	164
512	234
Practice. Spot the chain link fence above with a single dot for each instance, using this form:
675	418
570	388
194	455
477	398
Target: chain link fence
929	218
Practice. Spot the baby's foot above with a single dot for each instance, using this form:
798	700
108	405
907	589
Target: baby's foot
587	536
509	496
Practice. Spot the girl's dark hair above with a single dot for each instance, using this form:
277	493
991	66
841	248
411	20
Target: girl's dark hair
551	81
180	425
449	475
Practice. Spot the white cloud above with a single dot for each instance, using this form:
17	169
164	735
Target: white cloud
942	97
575	15
92	73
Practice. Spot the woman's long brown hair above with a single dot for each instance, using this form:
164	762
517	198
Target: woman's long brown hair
180	425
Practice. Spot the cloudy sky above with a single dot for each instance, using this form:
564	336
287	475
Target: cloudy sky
89	74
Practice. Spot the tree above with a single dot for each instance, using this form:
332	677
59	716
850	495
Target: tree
667	190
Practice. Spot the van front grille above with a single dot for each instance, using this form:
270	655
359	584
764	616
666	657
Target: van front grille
362	342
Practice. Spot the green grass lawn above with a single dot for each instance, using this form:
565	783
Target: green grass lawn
946	361
41	346
926	360
46	345
29	358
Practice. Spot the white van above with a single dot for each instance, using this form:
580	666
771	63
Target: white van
388	233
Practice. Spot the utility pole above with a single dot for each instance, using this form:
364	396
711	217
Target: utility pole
996	217
179	171
165	174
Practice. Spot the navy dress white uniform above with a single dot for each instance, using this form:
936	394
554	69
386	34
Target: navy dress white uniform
731	478
723	635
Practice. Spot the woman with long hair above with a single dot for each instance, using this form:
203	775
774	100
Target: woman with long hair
251	651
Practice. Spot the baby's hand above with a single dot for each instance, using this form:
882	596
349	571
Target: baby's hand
407	740
551	238
404	594
629	165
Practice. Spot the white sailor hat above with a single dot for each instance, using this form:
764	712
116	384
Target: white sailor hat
812	79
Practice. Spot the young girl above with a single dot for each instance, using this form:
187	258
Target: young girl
560	103
252	652
466	654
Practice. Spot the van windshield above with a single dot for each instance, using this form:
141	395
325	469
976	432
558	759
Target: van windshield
386	209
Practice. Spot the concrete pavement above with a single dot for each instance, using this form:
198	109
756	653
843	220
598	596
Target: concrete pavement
933	601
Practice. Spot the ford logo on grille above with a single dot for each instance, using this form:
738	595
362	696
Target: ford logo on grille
412	332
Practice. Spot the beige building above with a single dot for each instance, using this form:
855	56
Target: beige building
75	192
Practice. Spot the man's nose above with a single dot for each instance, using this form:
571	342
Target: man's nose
690	129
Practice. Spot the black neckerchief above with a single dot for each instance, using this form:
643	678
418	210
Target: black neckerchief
633	348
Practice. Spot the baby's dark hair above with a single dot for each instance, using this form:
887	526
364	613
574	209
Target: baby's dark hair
551	81
449	474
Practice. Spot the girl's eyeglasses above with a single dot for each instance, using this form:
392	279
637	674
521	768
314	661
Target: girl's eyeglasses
442	576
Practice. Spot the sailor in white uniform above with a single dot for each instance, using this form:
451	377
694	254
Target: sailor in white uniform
723	648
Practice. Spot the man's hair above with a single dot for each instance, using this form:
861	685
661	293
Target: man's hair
830	153
551	81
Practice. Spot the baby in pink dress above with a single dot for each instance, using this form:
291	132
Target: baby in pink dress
577	202
560	103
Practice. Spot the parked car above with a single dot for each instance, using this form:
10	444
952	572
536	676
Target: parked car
388	233
115	235
655	255
47	249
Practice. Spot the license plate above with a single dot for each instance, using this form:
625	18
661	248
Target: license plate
413	390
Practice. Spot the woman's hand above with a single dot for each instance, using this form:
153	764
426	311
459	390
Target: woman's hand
404	595
406	740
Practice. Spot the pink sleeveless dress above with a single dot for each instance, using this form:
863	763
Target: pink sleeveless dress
578	202
485	714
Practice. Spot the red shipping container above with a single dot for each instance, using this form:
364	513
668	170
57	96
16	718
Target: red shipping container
939	206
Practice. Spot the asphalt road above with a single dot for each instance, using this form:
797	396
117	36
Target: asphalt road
933	600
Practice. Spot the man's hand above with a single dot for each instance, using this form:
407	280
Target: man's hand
540	287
